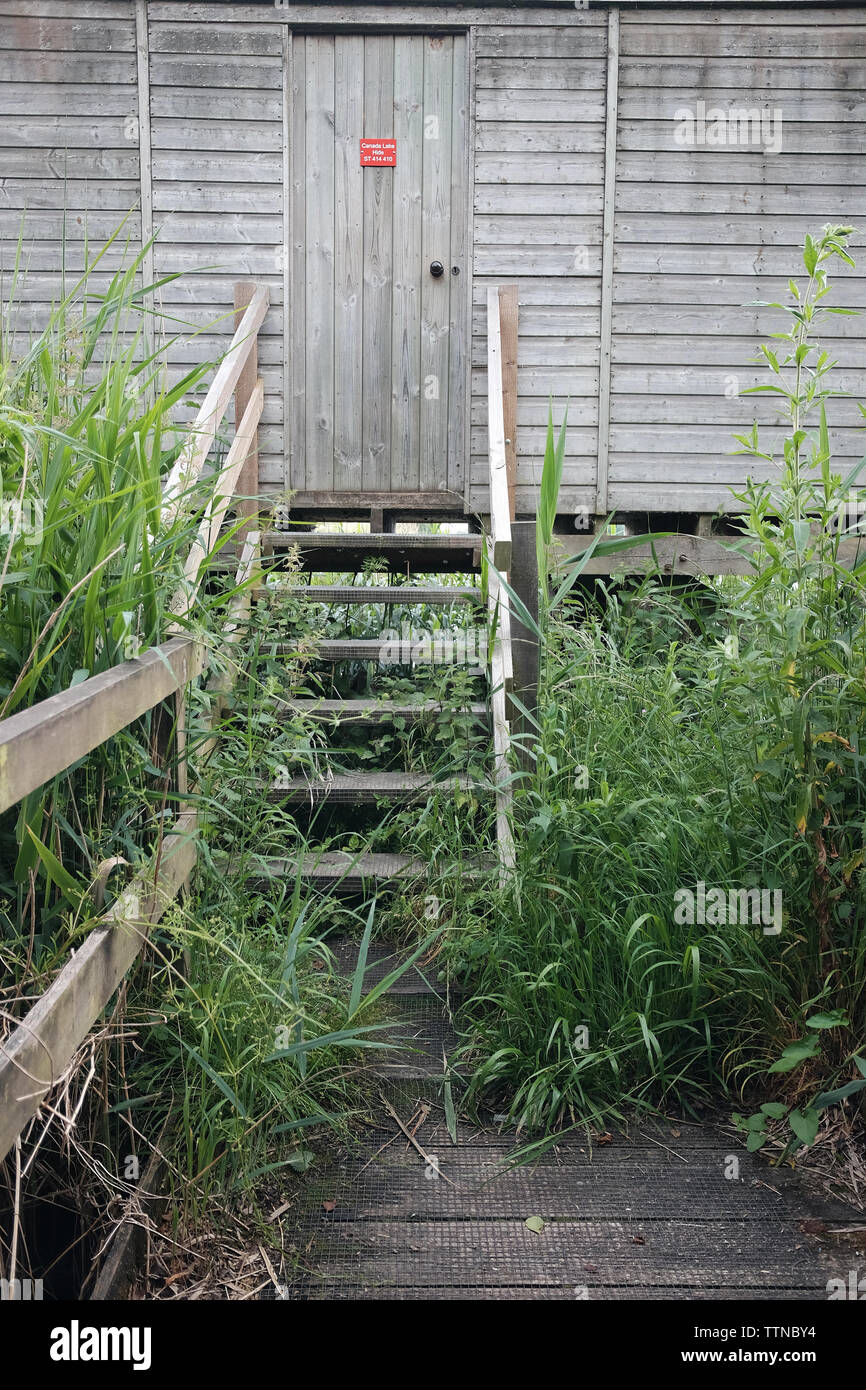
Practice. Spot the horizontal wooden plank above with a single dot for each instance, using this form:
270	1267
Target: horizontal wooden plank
709	229
536	137
74	195
716	411
724	319
694	380
585	39
549	351
694	12
83	9
700	257
529	104
508	261
772	39
531	230
61	161
228	166
798	105
39	743
741	164
448	648
690	470
691	350
249	230
839	137
532	411
93	132
660	496
402	595
849	290
533	439
531	291
370	788
56	68
541	200
694	452
207	102
215	197
49	226
215	39
55	33
543	168
741	75
541	74
254	72
556	381
177	133
526	493
677	200
558	320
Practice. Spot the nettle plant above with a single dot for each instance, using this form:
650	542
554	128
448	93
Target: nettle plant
800	666
803	1121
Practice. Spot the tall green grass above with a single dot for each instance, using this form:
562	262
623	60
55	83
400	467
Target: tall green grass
680	743
87	435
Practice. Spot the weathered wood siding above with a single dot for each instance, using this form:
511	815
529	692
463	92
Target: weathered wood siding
216	104
702	231
69	140
696	232
539	180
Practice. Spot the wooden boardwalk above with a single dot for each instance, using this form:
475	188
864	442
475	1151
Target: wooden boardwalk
658	1212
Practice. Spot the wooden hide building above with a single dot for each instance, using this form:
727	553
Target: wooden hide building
639	171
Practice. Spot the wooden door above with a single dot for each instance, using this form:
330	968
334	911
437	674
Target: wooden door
378	362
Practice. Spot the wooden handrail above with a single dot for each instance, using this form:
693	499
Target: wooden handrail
184	475
39	743
39	1049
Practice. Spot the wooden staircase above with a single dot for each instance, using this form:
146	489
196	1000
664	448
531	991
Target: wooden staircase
345	554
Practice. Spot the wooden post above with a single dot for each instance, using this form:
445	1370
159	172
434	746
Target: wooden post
248	482
524	643
607	249
508	331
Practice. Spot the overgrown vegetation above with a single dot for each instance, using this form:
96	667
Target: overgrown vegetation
685	921
689	743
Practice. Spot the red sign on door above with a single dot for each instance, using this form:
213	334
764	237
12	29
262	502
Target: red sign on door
379	152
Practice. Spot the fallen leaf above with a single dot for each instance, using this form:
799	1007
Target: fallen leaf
534	1223
604	1139
329	1205
676	1133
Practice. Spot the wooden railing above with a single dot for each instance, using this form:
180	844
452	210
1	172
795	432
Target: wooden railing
501	660
41	742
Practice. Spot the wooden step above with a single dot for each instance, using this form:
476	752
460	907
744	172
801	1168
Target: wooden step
337	552
372	711
339	870
387	651
366	788
404	594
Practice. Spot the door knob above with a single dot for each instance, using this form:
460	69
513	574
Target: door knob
437	269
